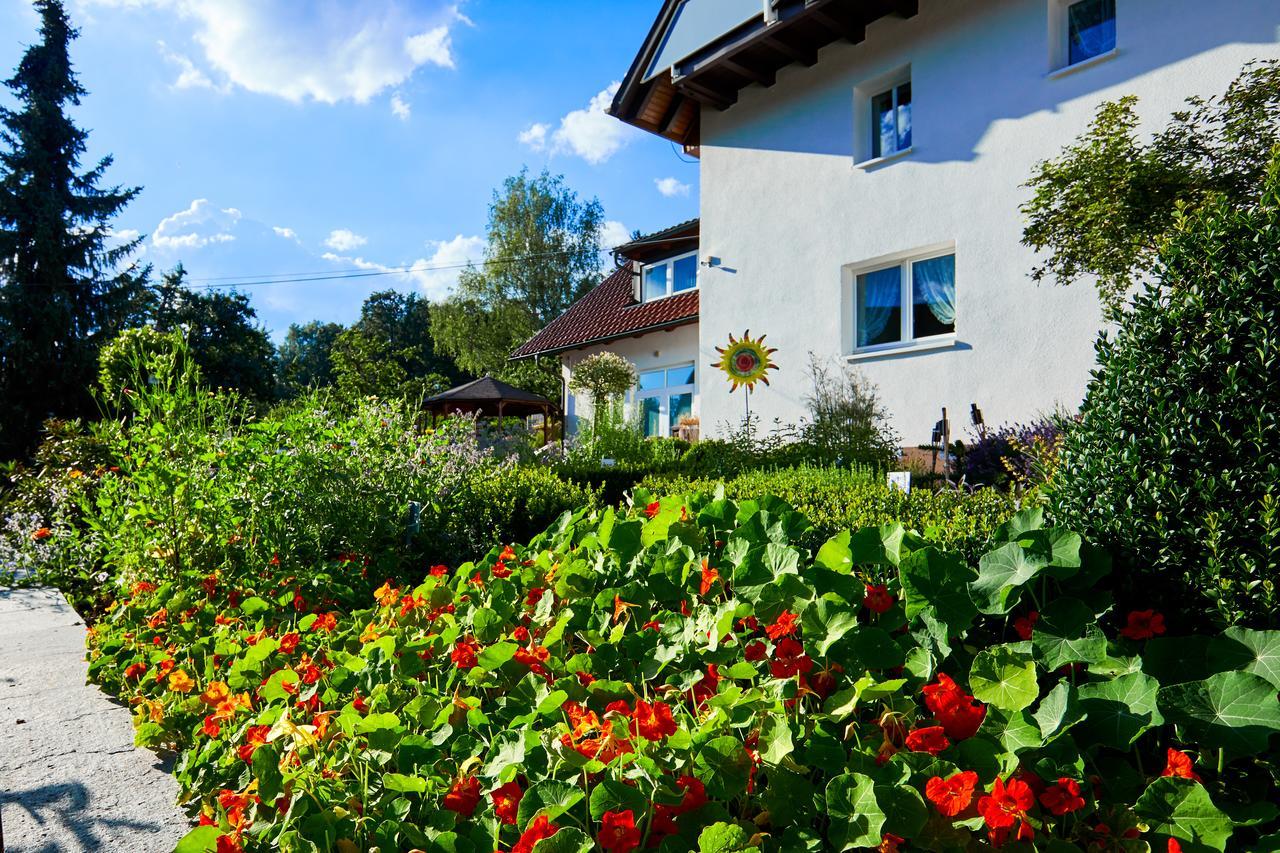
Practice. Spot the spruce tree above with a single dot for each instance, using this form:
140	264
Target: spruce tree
64	287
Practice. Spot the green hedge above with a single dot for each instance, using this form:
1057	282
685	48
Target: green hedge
835	499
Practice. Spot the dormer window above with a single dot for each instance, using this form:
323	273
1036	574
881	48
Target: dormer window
668	277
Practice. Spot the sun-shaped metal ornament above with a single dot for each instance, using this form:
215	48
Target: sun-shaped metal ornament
746	361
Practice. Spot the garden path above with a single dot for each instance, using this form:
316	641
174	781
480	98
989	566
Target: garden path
70	777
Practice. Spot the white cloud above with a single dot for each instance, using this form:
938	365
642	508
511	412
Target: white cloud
436	275
671	187
286	233
613	234
590	133
196	227
344	240
189	76
334	51
400	108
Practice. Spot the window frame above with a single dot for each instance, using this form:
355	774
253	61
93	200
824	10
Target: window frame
1060	63
665	393
671	281
907	341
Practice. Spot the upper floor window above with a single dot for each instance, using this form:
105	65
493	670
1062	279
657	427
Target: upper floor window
669	277
891	121
1080	31
905	301
1091	29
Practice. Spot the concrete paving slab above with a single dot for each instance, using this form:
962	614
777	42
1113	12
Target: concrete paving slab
71	779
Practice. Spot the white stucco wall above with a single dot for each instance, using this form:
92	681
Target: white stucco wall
660	349
784	208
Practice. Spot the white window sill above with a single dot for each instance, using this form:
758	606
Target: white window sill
1068	70
876	162
940	342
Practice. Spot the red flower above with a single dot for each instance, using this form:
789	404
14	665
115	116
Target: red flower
958	712
952	795
520	634
1062	797
931	740
1143	625
695	794
652	722
707	687
439	571
506	802
1179	764
289	642
534	658
878	599
653	509
534	596
1174	846
788	659
326	622
889	843
463	797
1024	625
618	832
463	655
135	670
229	844
41	534
709	577
538	829
500	570
1006	804
755	651
211	727
786	625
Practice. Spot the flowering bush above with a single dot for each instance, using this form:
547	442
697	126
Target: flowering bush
683	677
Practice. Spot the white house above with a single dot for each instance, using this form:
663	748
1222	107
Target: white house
862	170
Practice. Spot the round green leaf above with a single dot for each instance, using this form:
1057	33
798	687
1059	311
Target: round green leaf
1237	711
1003	677
1181	808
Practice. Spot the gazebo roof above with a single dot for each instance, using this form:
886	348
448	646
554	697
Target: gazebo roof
489	396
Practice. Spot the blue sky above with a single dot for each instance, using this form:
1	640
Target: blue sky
311	136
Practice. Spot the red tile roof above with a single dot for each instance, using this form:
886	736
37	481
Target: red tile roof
607	312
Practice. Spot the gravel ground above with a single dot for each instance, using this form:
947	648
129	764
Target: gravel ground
70	777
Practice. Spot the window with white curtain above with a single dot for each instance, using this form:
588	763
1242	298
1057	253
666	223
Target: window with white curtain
669	277
665	396
905	301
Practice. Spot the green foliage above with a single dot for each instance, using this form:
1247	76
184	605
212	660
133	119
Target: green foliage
602	377
1107	204
1175	463
809	709
305	358
221	334
542	253
835	499
65	288
847	423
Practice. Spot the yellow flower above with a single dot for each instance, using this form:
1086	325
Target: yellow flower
216	693
75	473
370	633
180	682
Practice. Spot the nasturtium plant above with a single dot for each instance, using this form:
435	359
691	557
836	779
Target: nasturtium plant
686	677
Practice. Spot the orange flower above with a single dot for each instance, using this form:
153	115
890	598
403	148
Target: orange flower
211	727
180	682
931	740
135	670
42	534
254	737
958	712
289	642
889	843
618	832
326	622
709	577
1143	625
952	795
506	802
534	658
500	570
158	618
1062	797
216	693
508	554
1179	764
463	655
387	595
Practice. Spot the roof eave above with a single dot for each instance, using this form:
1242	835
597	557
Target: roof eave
604	339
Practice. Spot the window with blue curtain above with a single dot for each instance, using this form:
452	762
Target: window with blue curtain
1091	29
878	307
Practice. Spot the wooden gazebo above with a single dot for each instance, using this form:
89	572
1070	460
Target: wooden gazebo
491	398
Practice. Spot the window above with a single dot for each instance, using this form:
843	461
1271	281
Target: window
903	302
891	121
1091	29
665	396
666	278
